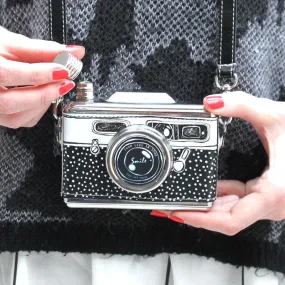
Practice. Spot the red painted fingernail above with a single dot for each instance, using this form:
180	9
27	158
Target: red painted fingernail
59	73
215	102
176	219
66	87
158	214
74	46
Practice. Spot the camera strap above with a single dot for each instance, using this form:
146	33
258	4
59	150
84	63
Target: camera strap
227	47
227	54
57	32
57	21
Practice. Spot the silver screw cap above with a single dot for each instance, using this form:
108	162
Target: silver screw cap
84	91
68	60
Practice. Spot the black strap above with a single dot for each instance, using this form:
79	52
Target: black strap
167	277
242	276
227	52
227	49
57	21
57	32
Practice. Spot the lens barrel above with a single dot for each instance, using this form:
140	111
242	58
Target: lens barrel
139	159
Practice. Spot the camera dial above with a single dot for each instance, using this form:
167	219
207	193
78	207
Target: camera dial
139	158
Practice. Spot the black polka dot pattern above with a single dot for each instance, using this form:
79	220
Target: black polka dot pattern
85	176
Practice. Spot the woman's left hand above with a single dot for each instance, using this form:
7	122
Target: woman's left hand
239	205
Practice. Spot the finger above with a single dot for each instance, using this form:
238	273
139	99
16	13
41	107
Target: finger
16	100
259	112
213	220
220	207
277	215
271	182
222	204
38	114
13	73
231	187
239	214
27	118
20	48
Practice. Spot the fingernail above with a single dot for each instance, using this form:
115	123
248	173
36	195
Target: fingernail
74	46
215	102
158	214
66	87
176	219
59	73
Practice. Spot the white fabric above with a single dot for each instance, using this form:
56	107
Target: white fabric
7	261
53	269
129	270
96	269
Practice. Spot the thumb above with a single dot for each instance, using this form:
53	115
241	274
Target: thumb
257	111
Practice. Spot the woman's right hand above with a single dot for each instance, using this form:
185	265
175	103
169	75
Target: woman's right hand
28	62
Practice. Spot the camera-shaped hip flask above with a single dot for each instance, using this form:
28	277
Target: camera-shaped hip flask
138	151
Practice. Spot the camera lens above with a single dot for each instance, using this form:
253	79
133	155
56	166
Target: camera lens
139	159
165	129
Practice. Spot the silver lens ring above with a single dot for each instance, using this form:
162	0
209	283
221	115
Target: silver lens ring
139	159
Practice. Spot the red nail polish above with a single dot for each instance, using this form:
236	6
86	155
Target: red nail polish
215	102
74	46
158	214
59	74
66	87
176	219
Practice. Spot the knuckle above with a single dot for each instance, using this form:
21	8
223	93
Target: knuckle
243	95
279	218
45	96
32	123
265	101
279	111
35	77
4	76
233	229
274	182
29	125
257	187
12	121
282	197
270	110
7	106
39	53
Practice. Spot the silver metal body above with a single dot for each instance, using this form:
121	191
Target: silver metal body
80	121
79	203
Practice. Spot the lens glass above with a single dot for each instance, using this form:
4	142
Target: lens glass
138	161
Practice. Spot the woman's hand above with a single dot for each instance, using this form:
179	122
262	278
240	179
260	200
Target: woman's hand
239	205
27	62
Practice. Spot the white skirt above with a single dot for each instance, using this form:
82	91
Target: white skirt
56	268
